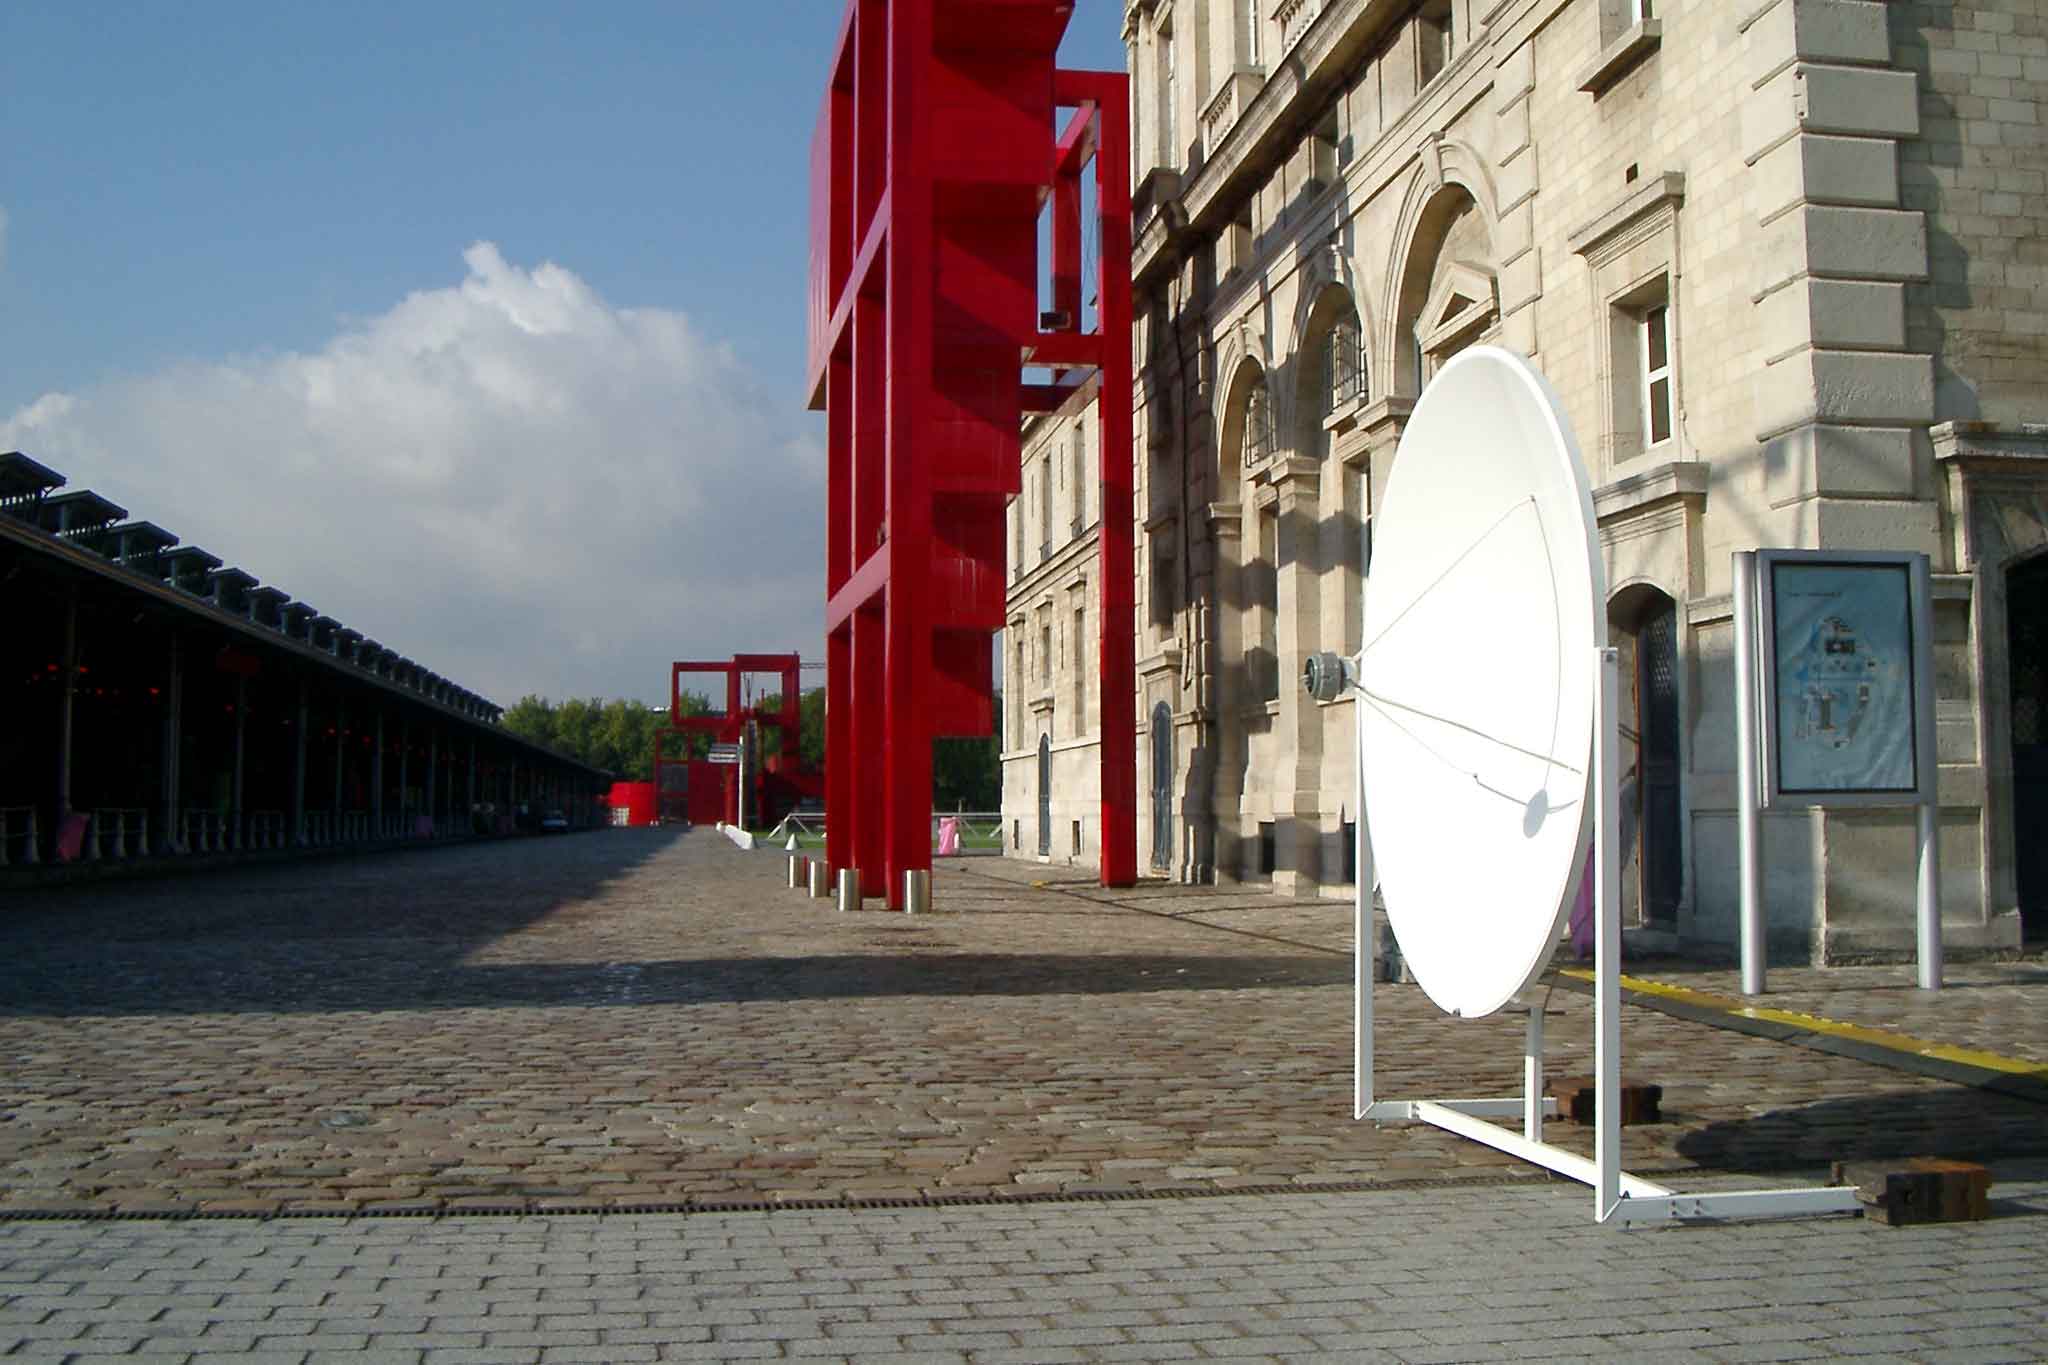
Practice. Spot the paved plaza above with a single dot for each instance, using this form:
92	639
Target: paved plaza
648	1026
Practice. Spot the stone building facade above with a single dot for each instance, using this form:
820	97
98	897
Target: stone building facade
1783	261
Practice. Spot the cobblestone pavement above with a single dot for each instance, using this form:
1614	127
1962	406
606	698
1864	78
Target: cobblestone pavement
1470	1273
649	1017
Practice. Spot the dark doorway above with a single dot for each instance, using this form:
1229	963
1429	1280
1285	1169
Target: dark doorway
2026	625
1045	796
1162	788
1646	635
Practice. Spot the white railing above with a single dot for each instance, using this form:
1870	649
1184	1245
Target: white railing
18	835
118	832
263	829
807	824
204	830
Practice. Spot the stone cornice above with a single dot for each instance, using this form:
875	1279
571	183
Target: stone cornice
1641	202
2022	447
1638	493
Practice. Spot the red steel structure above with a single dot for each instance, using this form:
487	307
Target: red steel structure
725	727
935	153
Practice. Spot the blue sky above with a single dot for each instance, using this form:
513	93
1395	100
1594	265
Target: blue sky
288	265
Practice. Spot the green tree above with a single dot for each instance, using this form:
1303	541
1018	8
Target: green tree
532	718
810	719
967	774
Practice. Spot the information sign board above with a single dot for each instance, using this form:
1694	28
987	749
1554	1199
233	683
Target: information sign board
1841	644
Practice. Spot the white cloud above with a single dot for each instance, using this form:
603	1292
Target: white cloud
518	484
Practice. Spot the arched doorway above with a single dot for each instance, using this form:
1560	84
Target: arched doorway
1162	788
2026	625
1645	629
1045	796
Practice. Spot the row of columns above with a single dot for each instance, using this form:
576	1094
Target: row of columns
538	786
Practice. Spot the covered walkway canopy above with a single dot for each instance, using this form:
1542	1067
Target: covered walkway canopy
161	704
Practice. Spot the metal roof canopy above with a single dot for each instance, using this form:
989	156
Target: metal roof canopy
24	480
66	514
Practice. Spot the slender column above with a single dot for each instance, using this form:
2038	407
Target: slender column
404	789
1927	759
340	756
235	799
169	840
433	776
905	655
1117	646
469	787
1748	834
65	708
1606	946
299	771
377	779
839	745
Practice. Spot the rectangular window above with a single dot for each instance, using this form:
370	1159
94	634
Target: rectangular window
1436	38
1656	352
1252	35
1077	838
1080	480
1162	593
1265	575
1017	538
1080	673
1045	509
1169	83
1045	653
1344	364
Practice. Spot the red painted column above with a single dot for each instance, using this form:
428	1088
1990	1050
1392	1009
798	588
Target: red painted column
907	750
869	825
1118	657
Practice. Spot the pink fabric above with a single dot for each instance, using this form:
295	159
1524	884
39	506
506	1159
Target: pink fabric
71	837
949	836
1582	912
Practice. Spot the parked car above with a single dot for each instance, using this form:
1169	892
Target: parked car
554	822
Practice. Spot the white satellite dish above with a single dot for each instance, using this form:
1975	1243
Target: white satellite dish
1479	680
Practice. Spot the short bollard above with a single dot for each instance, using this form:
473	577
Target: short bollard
917	890
797	862
821	880
849	889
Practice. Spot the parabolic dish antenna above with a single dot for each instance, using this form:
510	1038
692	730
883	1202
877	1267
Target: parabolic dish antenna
1479	680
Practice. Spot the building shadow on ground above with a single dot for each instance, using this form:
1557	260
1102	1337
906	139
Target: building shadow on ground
259	978
1958	1122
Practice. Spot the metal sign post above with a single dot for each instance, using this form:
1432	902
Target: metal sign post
1834	697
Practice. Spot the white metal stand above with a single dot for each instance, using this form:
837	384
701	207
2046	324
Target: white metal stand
1617	1196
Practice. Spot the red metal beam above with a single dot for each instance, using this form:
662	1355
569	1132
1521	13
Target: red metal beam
934	154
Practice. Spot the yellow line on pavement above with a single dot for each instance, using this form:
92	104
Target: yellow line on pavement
1889	1039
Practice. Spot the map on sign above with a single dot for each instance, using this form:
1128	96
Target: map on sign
1842	642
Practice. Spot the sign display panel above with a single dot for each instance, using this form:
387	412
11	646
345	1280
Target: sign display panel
1841	715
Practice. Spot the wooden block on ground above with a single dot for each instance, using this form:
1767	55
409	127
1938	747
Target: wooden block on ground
1640	1102
1922	1189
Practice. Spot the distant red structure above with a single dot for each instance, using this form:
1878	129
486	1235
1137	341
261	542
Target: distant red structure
934	154
636	799
712	790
